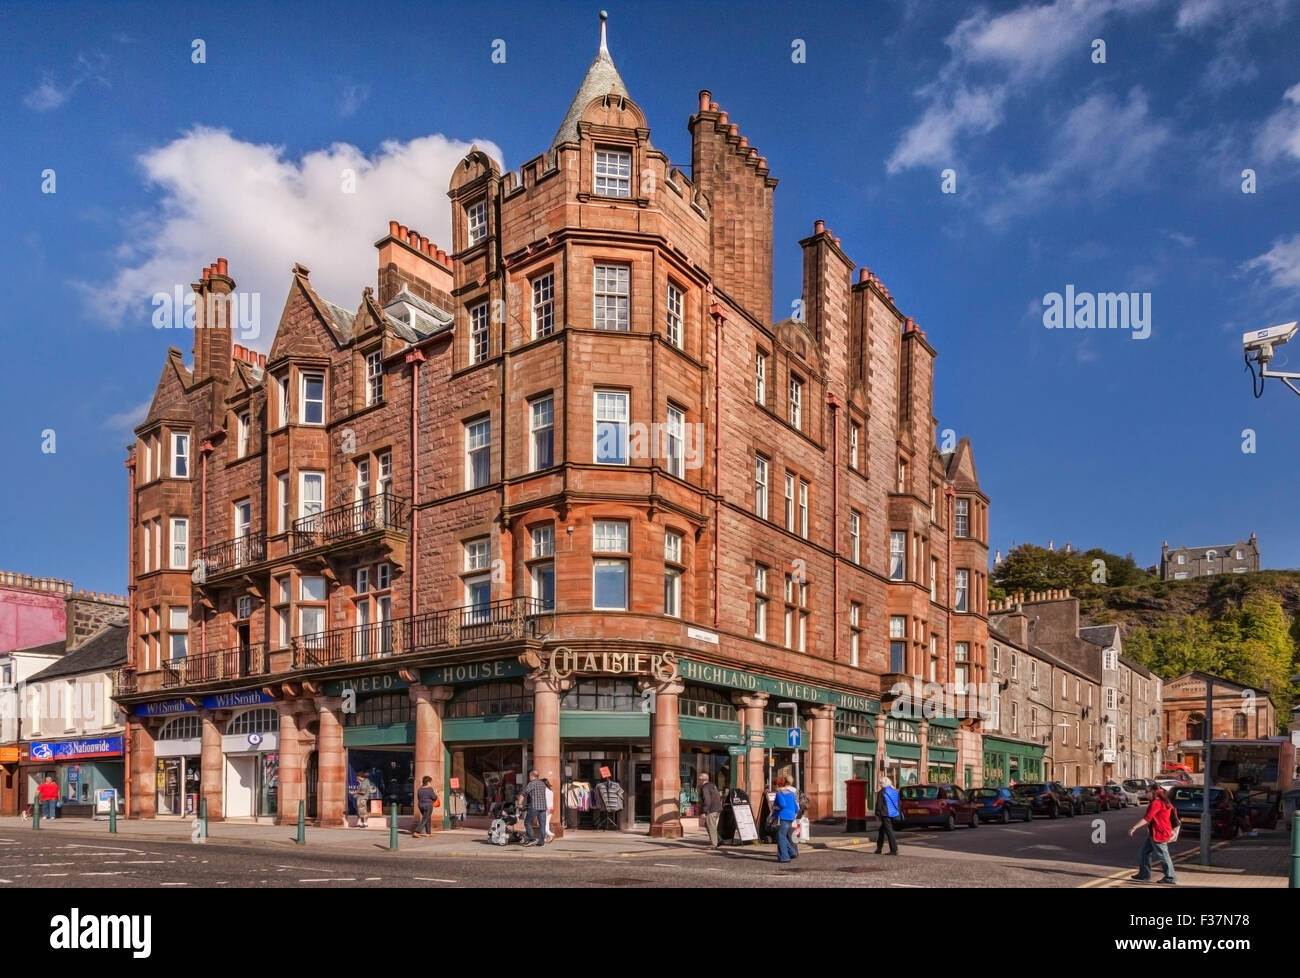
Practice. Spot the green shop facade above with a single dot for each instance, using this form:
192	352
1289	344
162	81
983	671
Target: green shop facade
1008	761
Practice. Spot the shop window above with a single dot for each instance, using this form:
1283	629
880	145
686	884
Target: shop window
609	695
490	700
381	710
851	723
254	721
181	728
704	703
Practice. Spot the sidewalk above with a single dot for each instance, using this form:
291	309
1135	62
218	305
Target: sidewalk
1264	862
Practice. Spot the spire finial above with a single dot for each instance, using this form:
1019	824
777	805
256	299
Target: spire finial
604	16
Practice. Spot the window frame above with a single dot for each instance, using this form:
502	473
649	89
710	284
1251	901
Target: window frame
542	288
476	453
607	181
180	467
603	299
794	405
762	478
182	523
305	378
374	363
476	223
538	431
480	336
624	424
675	321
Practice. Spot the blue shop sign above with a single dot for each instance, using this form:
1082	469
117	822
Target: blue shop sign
225	701
164	708
66	750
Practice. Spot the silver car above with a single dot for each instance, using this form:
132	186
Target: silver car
1140	788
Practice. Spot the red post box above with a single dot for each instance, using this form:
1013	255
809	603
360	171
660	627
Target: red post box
855	790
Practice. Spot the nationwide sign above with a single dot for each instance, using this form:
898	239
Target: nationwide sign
64	750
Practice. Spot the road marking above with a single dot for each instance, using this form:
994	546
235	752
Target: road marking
119	872
6	881
173	884
909	886
431	879
370	879
46	865
323	879
54	874
143	862
112	849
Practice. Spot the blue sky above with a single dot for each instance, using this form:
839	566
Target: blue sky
1117	176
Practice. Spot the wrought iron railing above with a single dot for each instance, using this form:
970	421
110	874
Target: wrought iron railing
495	621
229	555
206	667
380	512
124	682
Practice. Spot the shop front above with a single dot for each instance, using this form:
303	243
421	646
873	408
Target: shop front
79	767
855	755
708	723
251	768
902	761
178	748
605	755
941	751
1008	762
379	739
487	728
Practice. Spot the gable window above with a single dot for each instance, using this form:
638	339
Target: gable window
611	427
962	521
760	486
542	427
610	574
180	544
961	590
478	457
611	297
476	220
180	455
1182	558
796	402
674	323
855	536
855	437
676	437
760	378
613	173
897	555
543	305
478	333
313	399
242	424
760	601
374	377
672	574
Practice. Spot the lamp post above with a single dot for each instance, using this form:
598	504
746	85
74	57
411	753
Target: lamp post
794	725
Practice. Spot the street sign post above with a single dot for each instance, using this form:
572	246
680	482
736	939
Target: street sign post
792	738
735	750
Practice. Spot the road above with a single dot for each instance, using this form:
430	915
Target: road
1044	853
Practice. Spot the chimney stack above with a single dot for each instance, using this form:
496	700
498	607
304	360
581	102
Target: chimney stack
407	258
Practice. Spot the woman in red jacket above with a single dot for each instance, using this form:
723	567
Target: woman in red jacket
1157	840
48	793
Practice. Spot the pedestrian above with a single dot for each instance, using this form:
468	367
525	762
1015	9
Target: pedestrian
785	809
887	810
710	807
1158	817
48	793
534	798
550	808
362	792
426	798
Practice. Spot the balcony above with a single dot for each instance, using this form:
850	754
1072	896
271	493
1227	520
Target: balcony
365	522
497	621
209	667
231	556
124	682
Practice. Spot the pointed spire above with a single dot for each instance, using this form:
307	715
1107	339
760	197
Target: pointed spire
601	79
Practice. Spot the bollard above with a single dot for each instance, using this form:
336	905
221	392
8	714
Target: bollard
112	818
392	828
36	815
203	817
302	824
1295	851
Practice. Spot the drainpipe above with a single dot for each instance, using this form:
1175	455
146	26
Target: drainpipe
715	309
205	451
132	516
950	494
834	403
414	358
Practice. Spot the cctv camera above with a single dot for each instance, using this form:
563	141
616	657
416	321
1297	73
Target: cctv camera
1261	341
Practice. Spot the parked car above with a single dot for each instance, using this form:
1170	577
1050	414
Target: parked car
1001	804
1086	800
937	804
1127	796
1188	801
1143	788
1049	798
1109	796
1169	784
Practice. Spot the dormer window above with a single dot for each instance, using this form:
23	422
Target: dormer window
613	173
313	399
476	218
374	377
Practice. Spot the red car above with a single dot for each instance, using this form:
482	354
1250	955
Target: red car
1109	798
937	804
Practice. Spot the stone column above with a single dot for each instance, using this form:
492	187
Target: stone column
429	702
332	773
143	770
212	763
546	733
755	775
881	748
292	764
821	762
923	765
665	762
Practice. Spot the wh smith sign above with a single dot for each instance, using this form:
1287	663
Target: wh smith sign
66	750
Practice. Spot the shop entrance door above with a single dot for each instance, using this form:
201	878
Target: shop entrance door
586	769
310	777
241	785
643	794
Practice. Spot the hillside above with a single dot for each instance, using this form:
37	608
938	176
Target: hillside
1243	627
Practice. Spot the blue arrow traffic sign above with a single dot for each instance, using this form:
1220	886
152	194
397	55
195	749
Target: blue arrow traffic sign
792	737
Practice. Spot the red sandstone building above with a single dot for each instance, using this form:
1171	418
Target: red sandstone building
470	524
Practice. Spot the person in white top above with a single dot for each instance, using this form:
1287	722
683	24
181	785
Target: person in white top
550	808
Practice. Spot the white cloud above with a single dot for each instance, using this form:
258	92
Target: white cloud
1104	146
128	419
354	96
1281	263
48	95
933	137
221	196
1280	135
1196	13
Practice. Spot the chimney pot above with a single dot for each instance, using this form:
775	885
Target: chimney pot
442	256
401	231
733	130
837	242
207	273
744	142
705	96
392	228
222	266
864	274
713	106
722	118
762	161
819	226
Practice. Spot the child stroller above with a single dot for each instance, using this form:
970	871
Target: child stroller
507	826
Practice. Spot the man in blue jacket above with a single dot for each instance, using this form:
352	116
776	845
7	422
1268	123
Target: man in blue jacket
886	811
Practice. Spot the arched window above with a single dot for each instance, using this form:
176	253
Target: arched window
380	710
1195	727
1239	725
490	700
705	703
254	721
182	728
